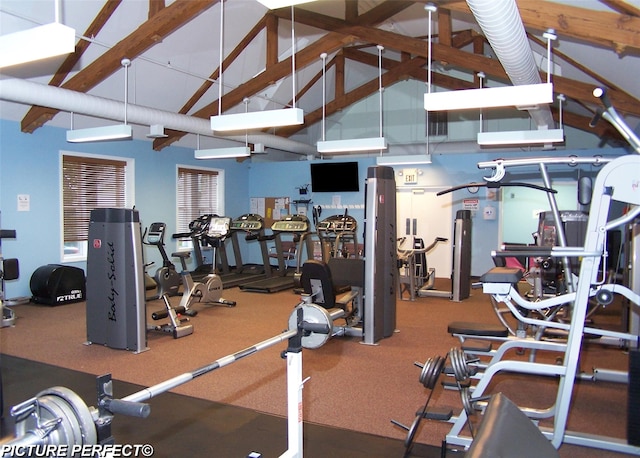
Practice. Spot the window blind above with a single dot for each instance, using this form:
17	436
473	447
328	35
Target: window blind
89	183
197	195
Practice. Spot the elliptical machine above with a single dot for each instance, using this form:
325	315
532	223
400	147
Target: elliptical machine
167	278
212	230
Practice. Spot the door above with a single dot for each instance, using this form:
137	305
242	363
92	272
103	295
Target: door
424	214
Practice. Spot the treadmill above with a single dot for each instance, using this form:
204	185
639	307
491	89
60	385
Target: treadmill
281	279
251	226
337	234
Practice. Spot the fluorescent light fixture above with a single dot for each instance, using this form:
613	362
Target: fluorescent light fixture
257	119
525	95
408	159
37	43
275	4
223	153
352	145
99	134
521	137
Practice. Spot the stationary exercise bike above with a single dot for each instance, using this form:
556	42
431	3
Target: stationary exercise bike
212	230
167	279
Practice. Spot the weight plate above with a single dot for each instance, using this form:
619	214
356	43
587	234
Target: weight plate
459	364
412	432
312	313
465	396
431	372
76	425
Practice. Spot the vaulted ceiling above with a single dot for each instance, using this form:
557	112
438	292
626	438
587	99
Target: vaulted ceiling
175	46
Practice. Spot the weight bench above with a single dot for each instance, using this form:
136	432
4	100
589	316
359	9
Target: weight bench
502	278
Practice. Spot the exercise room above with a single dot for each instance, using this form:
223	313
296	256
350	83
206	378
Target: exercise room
350	228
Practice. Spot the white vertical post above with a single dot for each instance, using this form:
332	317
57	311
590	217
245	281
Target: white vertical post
294	405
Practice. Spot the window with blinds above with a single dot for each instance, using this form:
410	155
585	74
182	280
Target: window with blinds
197	195
438	123
88	183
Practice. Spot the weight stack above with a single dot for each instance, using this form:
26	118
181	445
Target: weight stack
633	413
116	309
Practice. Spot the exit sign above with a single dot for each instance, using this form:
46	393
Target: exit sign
410	176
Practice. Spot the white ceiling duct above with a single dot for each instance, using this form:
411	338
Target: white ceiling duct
502	25
29	93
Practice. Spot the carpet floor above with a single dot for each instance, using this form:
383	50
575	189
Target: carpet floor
352	387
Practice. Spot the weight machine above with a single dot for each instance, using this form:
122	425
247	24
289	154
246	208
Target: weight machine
371	282
59	417
616	182
415	275
116	314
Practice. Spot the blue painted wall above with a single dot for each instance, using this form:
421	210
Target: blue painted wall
29	164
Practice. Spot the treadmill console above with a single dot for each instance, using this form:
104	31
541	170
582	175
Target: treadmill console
218	227
338	223
249	223
291	223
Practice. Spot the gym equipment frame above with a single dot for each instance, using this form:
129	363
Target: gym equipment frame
617	181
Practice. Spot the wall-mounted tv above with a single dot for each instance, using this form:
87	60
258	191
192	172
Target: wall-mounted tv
335	177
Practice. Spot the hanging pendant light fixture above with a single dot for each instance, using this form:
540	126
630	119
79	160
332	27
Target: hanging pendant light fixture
42	42
258	119
275	4
105	133
229	152
356	144
543	136
525	95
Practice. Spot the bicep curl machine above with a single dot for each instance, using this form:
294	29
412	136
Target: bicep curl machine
59	417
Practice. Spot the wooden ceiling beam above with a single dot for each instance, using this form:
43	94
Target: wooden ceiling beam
144	37
622	7
619	32
329	44
38	116
272	40
395	74
445	31
462	59
584	92
463	37
351	10
233	55
395	41
154	7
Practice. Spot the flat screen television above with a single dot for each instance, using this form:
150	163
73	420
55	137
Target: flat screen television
335	177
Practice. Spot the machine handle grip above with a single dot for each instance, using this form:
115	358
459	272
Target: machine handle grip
319	328
181	235
130	408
